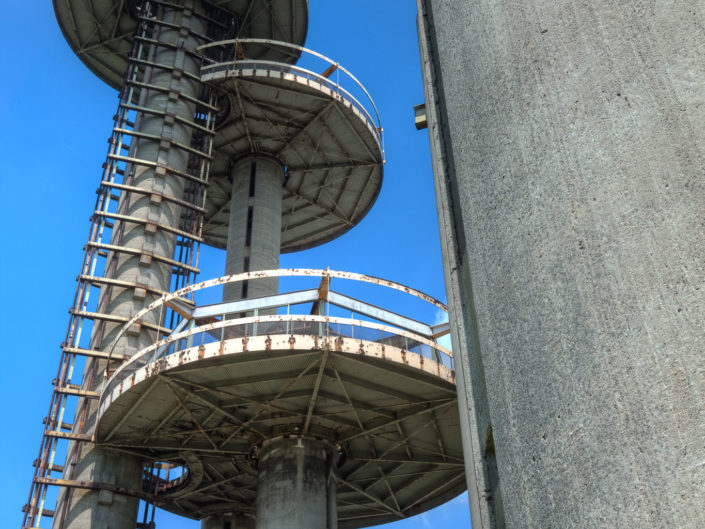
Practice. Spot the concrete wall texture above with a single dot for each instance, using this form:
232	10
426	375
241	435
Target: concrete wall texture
568	140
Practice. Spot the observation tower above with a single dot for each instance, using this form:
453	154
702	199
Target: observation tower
229	401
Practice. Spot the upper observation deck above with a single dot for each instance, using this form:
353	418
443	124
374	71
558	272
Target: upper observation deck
101	32
315	117
311	363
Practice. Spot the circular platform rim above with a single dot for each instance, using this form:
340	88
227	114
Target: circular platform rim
104	74
214	353
291	78
277	272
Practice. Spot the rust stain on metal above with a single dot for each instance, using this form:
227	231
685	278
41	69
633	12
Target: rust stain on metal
235	278
160	365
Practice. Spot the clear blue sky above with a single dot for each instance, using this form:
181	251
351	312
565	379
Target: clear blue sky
56	118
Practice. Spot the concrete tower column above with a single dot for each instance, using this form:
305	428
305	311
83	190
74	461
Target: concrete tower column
254	233
569	146
295	485
87	508
228	521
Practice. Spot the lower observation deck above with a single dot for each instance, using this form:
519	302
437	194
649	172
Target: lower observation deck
376	386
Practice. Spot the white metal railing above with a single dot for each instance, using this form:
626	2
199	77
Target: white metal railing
233	55
326	327
201	325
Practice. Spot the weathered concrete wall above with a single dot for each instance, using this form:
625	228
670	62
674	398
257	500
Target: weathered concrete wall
569	143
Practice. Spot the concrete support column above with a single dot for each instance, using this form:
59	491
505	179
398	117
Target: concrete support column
296	487
228	521
87	508
254	236
569	146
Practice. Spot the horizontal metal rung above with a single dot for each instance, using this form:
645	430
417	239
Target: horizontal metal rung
153	165
165	89
63	426
124	121
202	16
135	251
167	198
92	485
95	354
67	483
147	110
172	25
115	319
46	512
164	67
99	281
168	45
53	468
156	138
70	436
77	392
143	221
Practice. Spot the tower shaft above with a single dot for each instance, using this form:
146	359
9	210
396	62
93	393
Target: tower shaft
296	487
254	232
568	147
143	244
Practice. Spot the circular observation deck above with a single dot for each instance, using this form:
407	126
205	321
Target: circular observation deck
375	385
101	32
317	119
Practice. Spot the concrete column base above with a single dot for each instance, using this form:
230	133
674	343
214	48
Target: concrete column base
296	487
228	521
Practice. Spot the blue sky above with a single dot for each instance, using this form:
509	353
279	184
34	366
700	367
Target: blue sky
56	118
